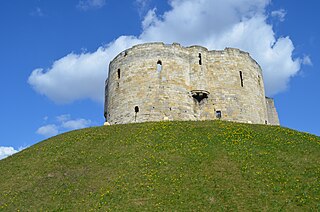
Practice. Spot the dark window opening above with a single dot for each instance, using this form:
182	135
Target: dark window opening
136	109
218	114
170	108
241	78
125	53
200	59
159	65
266	122
199	95
119	73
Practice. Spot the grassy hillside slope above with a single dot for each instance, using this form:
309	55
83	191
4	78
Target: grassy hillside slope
211	165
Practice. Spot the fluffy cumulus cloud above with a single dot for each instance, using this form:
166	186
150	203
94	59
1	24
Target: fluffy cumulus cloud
76	124
215	24
62	124
90	4
78	76
61	81
48	130
6	151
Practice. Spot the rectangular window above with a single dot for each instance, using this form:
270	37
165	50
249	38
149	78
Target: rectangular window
200	59
218	114
159	66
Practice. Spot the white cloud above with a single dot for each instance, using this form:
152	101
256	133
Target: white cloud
280	14
63	123
90	4
143	5
6	151
48	130
72	77
76	124
82	76
66	123
215	24
63	118
149	19
306	60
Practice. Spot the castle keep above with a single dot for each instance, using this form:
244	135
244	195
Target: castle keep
156	82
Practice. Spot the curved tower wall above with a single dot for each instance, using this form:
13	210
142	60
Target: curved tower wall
155	82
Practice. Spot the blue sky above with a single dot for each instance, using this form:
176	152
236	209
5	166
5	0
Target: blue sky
54	55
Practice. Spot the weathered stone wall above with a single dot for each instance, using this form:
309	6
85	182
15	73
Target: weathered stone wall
154	82
272	112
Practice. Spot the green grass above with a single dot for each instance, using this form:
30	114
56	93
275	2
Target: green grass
166	166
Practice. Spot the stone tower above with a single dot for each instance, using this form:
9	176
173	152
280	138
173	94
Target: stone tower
156	82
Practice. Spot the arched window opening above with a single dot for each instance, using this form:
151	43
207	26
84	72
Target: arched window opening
241	78
119	73
200	59
136	110
159	65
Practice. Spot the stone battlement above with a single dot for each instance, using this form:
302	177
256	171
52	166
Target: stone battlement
161	44
156	81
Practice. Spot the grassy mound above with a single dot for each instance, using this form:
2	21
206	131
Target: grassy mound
211	165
